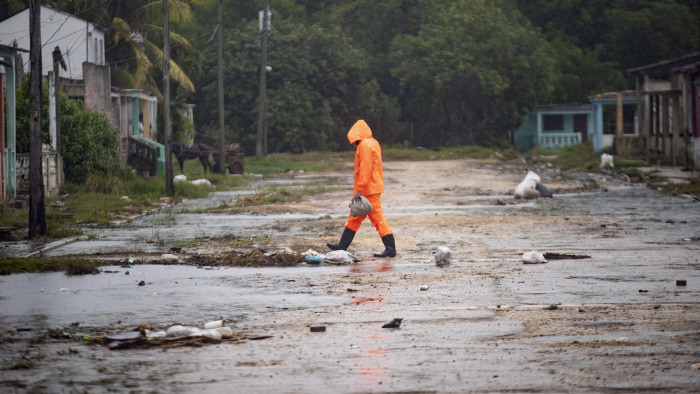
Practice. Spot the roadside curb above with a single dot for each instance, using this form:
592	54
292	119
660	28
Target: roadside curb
50	246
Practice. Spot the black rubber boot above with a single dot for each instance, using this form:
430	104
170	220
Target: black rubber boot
345	240
390	246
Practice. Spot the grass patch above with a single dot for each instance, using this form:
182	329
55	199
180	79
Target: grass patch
692	187
71	266
582	157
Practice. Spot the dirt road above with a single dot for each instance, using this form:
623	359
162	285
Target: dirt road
616	321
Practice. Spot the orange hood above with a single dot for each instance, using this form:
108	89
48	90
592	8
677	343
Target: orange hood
359	131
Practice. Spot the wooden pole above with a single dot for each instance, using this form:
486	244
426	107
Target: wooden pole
3	184
220	66
261	144
37	210
169	183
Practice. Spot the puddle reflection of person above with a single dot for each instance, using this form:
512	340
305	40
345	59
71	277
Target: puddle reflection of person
369	180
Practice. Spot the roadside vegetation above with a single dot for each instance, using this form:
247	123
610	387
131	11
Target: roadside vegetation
69	265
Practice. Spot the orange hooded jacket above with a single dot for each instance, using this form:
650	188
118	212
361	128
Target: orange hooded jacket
369	176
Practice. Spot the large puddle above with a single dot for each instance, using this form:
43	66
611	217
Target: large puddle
170	294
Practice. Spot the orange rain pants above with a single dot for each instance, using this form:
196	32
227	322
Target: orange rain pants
376	217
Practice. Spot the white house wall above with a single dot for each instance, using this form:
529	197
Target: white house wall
79	40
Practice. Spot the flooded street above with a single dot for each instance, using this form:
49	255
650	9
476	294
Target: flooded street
625	318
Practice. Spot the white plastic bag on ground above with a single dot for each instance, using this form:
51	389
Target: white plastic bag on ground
606	160
179	178
533	257
179	331
199	182
340	256
443	256
530	182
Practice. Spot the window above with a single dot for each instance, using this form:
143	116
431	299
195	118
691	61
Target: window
552	122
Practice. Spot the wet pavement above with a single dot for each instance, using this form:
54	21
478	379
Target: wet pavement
615	321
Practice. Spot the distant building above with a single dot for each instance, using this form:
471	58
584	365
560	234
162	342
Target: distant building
79	40
555	126
82	45
669	102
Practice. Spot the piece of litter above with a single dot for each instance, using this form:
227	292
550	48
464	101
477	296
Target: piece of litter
396	323
424	287
533	257
443	256
318	328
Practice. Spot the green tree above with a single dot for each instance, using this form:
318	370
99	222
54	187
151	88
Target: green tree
319	85
468	71
88	139
645	32
134	38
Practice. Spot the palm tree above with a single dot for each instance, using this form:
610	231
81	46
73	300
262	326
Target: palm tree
134	33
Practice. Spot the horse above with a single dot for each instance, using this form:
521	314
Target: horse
196	151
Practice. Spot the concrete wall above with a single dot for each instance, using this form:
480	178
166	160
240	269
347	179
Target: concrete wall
97	86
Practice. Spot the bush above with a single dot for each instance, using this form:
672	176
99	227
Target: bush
88	139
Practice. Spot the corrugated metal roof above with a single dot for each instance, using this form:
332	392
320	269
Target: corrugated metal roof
667	64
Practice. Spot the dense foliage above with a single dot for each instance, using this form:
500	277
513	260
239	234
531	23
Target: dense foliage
425	72
421	72
88	139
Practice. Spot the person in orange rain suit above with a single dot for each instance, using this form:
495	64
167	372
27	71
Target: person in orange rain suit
369	180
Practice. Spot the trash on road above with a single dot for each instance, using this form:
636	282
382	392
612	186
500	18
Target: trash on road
533	257
314	259
443	256
424	287
396	323
340	257
318	328
527	188
606	160
564	256
175	336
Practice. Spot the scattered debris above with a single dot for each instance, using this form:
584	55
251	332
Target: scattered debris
527	188
606	160
543	190
564	256
200	182
533	257
443	256
174	336
424	287
681	283
168	256
396	323
340	257
318	328
314	259
643	290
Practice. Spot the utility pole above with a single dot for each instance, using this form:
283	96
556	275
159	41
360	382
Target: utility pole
37	209
261	143
169	186
220	65
58	61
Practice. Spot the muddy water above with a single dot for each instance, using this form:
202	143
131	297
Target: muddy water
185	294
485	323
